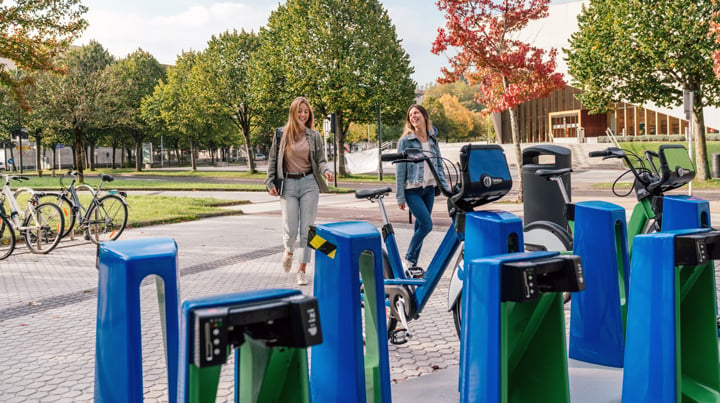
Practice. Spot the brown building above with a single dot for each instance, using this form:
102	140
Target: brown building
560	117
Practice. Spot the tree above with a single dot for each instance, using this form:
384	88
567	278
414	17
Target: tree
33	33
460	89
77	101
343	55
175	106
461	119
133	78
507	71
643	52
223	70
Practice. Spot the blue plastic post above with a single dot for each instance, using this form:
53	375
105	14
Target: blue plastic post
671	352
122	265
489	233
339	372
597	315
499	359
685	212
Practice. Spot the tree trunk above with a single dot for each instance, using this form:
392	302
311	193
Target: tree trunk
38	149
91	157
518	153
193	164
138	156
515	130
340	144
78	152
112	161
701	157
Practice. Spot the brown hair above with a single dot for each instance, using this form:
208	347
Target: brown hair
409	128
293	128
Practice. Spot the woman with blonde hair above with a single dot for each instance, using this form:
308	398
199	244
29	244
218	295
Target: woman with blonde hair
298	158
415	184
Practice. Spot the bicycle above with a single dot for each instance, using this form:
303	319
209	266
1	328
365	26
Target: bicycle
40	224
650	183
104	218
483	178
7	237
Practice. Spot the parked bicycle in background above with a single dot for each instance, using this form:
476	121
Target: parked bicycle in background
40	224
102	218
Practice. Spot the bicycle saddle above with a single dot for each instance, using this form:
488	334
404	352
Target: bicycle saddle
372	193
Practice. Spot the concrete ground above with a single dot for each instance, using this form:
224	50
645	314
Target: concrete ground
48	302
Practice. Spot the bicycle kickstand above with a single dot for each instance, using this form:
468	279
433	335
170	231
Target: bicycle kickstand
401	336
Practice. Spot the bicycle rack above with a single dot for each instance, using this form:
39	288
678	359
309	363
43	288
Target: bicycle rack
597	315
671	351
513	332
122	266
269	330
342	368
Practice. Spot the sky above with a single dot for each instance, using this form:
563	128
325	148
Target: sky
166	27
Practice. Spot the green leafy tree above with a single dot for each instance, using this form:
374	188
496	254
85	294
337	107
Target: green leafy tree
439	118
343	55
648	51
223	71
132	79
33	33
77	101
175	105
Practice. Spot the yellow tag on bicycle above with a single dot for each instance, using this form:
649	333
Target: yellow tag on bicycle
320	244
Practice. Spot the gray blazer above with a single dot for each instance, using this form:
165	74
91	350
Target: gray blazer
317	160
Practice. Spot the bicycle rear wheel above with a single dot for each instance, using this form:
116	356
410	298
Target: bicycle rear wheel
106	219
66	207
7	238
42	228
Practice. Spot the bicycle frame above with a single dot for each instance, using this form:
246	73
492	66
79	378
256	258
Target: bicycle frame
442	258
17	214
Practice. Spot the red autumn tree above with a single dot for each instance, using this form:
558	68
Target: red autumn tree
507	71
32	33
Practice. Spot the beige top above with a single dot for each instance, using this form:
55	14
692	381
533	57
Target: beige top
299	160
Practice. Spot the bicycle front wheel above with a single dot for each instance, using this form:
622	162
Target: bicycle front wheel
106	219
7	238
43	227
66	207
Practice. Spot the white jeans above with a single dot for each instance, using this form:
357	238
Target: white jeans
299	203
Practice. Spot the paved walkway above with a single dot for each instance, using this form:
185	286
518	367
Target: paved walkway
48	302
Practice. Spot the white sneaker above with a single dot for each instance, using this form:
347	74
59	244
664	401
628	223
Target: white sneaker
301	280
287	262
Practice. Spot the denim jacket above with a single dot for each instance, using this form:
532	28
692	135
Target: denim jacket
317	160
410	175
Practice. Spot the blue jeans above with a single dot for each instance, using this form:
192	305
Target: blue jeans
420	201
299	203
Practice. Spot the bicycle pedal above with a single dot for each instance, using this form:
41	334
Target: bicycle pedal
415	272
399	336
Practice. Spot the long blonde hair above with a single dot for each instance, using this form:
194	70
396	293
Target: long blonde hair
293	128
409	128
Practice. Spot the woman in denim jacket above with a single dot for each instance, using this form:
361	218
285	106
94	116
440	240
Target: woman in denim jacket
415	184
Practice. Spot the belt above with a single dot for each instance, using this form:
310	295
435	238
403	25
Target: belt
299	175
